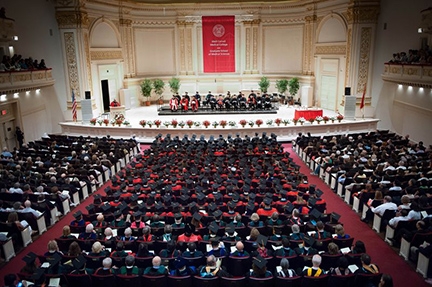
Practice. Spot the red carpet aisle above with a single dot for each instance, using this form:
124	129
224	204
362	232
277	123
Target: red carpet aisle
39	246
382	255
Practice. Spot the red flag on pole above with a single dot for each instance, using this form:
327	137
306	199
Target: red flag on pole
362	104
74	107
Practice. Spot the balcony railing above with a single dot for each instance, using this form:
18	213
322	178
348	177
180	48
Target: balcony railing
408	74
16	81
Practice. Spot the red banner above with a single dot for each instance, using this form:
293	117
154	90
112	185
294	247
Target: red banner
218	44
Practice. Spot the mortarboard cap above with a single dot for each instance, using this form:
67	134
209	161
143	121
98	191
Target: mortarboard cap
105	207
77	214
218	196
289	207
97	197
29	258
318	192
201	196
250	207
235	196
217	213
260	262
213	227
79	262
38	274
54	259
192	204
310	241
134	197
137	214
335	217
262	240
117	194
212	206
90	207
315	214
159	206
252	195
232	204
178	215
175	204
311	201
267	201
230	229
117	213
197	216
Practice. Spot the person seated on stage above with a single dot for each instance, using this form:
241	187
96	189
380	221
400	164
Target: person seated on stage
184	104
173	103
259	102
186	95
267	102
234	102
242	101
227	102
252	94
114	103
206	102
198	98
194	104
251	102
220	102
213	102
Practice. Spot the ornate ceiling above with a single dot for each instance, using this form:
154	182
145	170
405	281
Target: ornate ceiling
211	1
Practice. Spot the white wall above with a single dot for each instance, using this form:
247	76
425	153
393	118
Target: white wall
401	20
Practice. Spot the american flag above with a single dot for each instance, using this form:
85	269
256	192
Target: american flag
74	107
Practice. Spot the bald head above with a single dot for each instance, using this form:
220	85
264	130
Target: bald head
27	203
156	261
239	246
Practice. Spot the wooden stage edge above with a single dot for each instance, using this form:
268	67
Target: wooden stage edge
284	133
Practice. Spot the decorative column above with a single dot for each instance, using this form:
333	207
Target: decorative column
362	19
185	29
73	23
128	47
251	28
308	44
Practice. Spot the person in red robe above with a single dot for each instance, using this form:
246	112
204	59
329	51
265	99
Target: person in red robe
114	103
184	104
194	104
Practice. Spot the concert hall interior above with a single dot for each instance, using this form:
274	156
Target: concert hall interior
93	67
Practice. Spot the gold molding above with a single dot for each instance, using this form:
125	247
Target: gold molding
362	14
364	58
332	49
348	56
72	19
71	62
106	55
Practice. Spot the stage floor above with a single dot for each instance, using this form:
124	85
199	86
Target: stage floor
152	113
284	133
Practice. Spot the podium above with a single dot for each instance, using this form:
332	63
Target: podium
117	110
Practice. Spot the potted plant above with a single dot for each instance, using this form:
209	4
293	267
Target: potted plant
269	122
206	123
223	123
259	122
326	119
146	89
126	123
232	123
106	122
157	123
293	86
251	123
302	120
311	120
264	84
319	119
215	124
282	87
286	122
197	124
174	84
93	121
181	124
243	123
295	121
189	123
339	117
100	122
143	123
174	123
278	121
167	124
159	87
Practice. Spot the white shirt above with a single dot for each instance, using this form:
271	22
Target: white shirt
380	209
29	209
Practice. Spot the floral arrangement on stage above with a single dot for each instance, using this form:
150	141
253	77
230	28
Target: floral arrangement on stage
174	123
259	122
269	122
143	123
197	124
332	119
206	123
150	123
278	121
166	123
189	123
93	121
157	123
232	123
319	119
251	123
126	123
286	122
326	119
301	120
311	120
215	124
243	123
106	121
339	117
295	121
181	124
223	123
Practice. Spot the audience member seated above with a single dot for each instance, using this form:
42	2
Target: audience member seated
129	268
106	268
367	267
259	268
192	252
119	250
342	267
315	270
181	268
89	233
97	250
66	234
285	270
213	268
240	252
156	269
53	249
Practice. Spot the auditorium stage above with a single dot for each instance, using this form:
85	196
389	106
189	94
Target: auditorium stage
284	133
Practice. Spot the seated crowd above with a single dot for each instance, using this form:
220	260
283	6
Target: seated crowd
389	175
235	207
421	57
18	63
40	175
